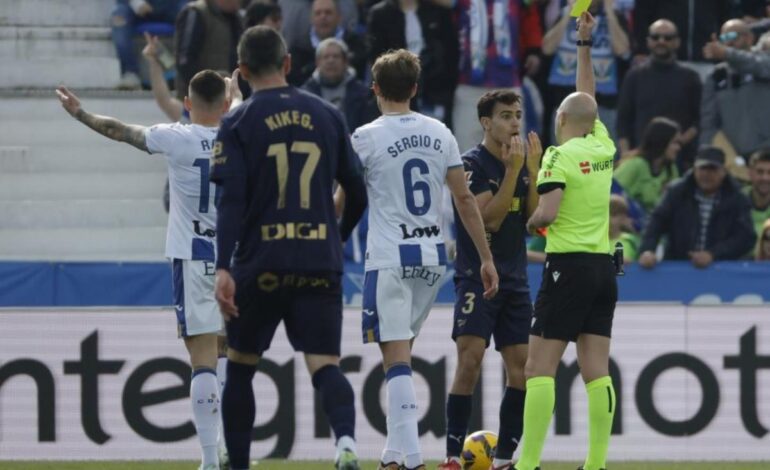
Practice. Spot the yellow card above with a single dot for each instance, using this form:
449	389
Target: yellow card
579	7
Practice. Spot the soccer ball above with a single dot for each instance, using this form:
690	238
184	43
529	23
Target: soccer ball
478	450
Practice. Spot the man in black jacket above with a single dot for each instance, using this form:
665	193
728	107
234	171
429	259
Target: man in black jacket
660	87
334	81
206	37
432	36
704	216
325	22
696	20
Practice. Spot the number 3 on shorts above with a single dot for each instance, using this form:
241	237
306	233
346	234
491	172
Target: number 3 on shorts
470	302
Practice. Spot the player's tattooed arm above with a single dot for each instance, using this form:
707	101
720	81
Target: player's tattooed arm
114	129
105	125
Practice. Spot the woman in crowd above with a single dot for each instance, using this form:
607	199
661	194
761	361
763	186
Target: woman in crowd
647	175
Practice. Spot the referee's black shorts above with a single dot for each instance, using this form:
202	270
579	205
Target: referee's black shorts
577	295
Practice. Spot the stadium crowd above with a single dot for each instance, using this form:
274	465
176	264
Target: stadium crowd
682	86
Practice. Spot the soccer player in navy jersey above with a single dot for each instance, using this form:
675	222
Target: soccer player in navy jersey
279	248
502	180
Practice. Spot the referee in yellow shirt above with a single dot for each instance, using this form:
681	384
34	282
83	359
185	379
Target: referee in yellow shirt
577	297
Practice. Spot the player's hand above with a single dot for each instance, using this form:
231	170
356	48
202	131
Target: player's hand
68	100
233	91
531	228
513	154
534	153
715	50
150	50
586	25
701	259
489	279
648	260
224	291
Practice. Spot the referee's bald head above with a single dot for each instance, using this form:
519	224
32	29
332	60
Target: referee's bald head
575	117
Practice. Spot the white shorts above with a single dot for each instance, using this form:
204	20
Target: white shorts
196	308
397	301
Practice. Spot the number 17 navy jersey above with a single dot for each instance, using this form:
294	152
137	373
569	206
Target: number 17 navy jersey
279	153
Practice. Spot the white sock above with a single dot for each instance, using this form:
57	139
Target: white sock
402	408
500	462
221	377
392	451
204	395
345	442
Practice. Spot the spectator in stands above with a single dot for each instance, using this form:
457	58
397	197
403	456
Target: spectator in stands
334	81
735	99
622	229
326	22
660	87
265	13
759	190
696	21
704	216
762	252
646	176
126	16
206	37
499	40
426	30
609	54
297	18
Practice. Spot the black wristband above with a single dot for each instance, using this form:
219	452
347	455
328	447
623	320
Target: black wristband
585	42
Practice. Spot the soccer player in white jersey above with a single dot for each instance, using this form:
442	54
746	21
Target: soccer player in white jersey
407	157
190	238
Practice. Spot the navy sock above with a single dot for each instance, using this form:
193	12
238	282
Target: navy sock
458	414
511	422
238	412
337	399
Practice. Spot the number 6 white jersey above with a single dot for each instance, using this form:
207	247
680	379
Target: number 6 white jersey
192	216
405	159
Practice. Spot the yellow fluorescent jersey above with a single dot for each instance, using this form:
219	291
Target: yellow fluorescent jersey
582	167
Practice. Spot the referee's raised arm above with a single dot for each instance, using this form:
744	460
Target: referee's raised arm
585	81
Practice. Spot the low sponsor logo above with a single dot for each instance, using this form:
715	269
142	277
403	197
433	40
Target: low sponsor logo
585	167
210	233
419	232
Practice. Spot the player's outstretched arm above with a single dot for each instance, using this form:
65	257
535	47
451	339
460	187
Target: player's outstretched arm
171	106
471	219
585	80
105	125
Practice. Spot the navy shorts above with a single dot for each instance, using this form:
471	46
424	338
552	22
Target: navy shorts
577	295
310	305
507	316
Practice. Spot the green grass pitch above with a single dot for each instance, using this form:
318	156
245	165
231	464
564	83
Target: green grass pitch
319	465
